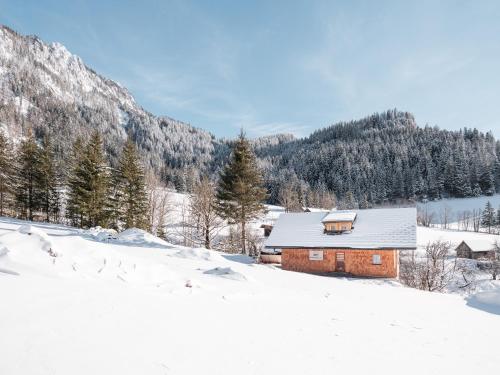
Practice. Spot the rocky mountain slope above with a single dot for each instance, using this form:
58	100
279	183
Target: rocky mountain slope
45	87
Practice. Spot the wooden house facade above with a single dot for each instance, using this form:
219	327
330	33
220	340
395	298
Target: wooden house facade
359	243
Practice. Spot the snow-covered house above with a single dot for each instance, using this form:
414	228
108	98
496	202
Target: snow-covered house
478	249
358	242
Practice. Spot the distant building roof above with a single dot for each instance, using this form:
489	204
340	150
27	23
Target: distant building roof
314	209
477	241
339	216
479	245
384	228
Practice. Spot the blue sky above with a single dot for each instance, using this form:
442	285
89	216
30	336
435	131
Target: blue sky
285	66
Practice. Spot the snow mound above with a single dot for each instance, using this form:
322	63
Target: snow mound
44	240
488	301
140	237
198	253
3	250
226	272
102	234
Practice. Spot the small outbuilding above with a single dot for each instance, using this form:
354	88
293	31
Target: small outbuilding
357	242
479	249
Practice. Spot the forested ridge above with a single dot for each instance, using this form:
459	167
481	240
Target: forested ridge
385	157
379	159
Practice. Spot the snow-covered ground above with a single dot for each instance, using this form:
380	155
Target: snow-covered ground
479	281
134	304
455	206
454	237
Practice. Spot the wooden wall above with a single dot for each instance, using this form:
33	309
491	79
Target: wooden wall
357	262
338	226
464	251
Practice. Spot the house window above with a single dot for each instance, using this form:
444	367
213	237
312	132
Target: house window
376	259
315	254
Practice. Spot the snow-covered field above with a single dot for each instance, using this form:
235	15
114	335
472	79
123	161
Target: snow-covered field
454	237
72	304
457	205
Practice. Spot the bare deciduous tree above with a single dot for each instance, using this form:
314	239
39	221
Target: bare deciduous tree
289	198
445	216
492	265
476	220
432	271
425	217
465	219
203	215
159	204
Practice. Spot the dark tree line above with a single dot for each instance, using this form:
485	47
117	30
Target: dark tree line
90	192
386	157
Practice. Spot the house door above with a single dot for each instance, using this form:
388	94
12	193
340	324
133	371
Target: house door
339	262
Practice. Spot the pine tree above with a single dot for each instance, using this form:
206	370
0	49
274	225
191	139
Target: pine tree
6	173
496	172
96	168
89	184
131	196
488	218
75	182
48	180
27	175
487	181
240	192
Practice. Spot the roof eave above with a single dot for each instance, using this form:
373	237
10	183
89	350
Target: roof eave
341	247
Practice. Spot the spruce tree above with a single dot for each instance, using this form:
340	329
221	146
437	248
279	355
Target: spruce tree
130	189
27	175
48	180
487	181
96	189
488	218
75	182
240	192
6	173
89	184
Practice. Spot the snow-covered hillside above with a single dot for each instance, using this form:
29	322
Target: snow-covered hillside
134	304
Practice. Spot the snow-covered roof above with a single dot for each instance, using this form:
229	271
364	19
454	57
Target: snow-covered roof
478	245
477	241
375	229
339	216
314	209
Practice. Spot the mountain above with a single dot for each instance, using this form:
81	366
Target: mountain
381	158
45	87
386	157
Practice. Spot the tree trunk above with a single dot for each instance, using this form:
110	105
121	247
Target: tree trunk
47	206
207	238
243	239
30	202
